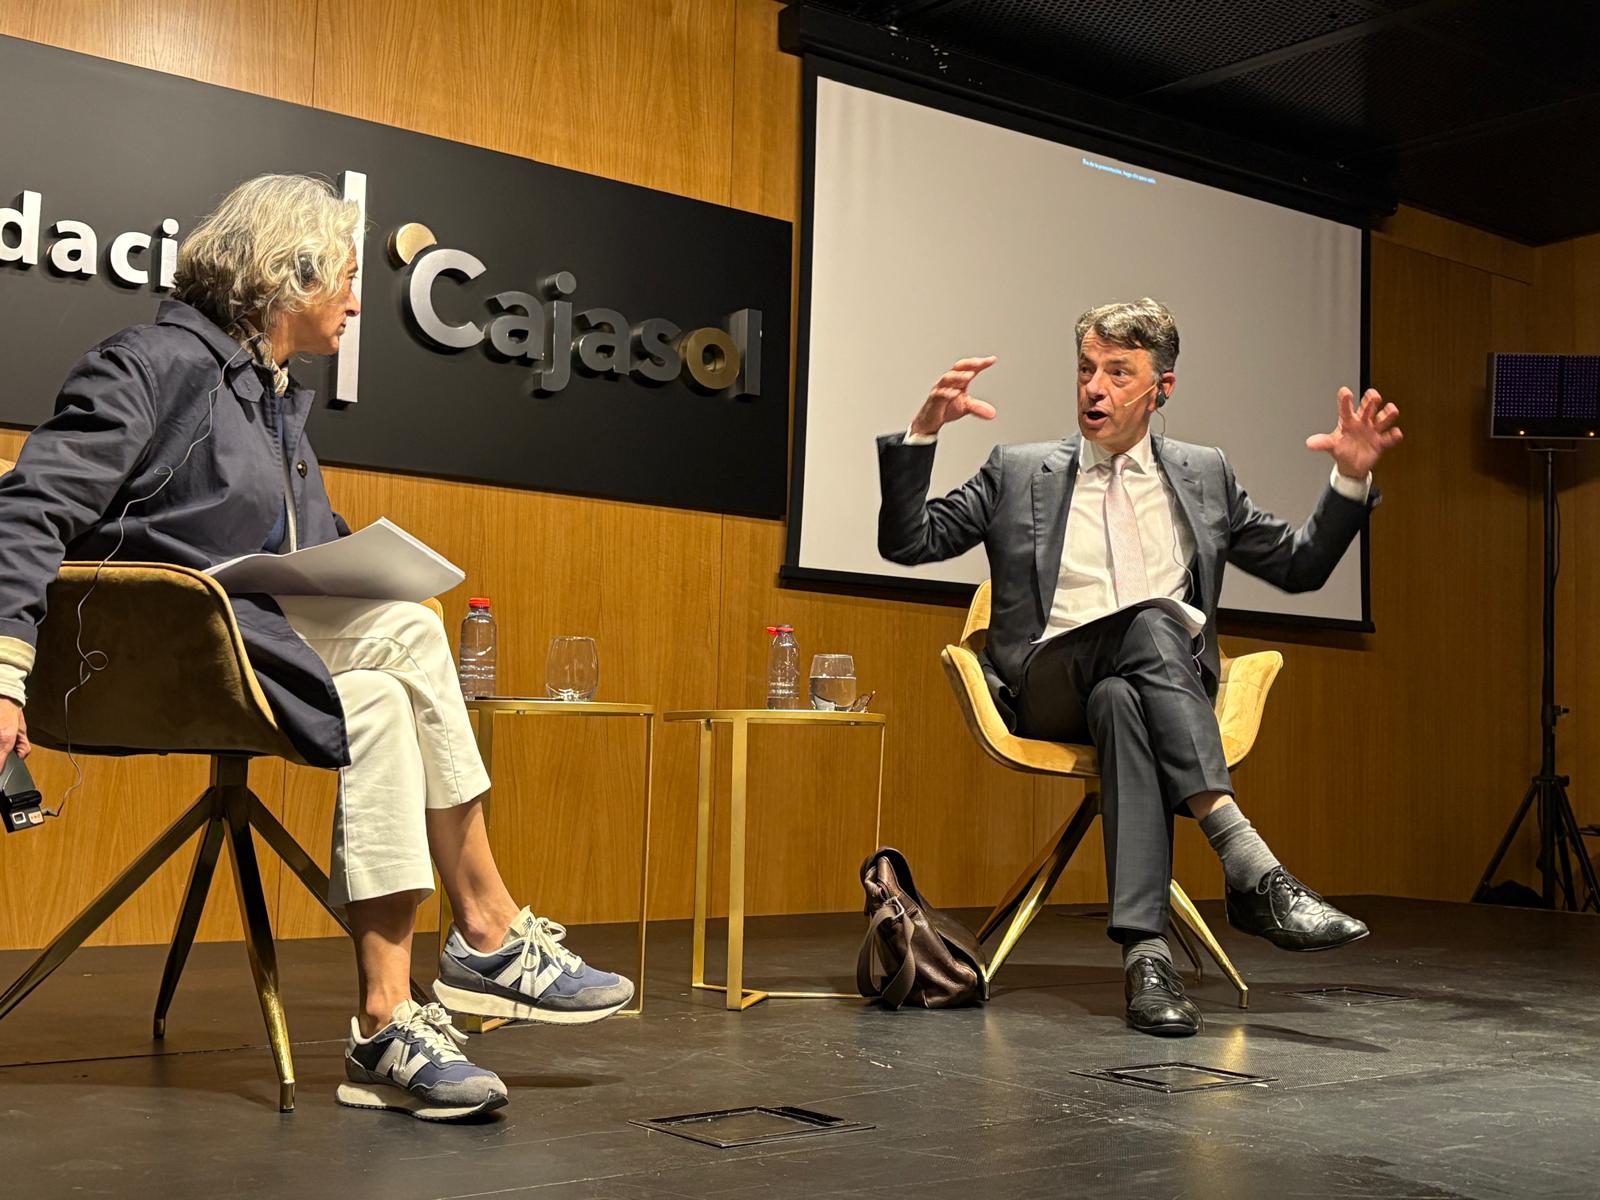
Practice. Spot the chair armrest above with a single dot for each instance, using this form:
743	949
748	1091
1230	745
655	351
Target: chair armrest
1242	698
975	633
176	675
965	672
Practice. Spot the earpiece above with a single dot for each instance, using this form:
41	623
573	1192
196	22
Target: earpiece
306	269
1161	396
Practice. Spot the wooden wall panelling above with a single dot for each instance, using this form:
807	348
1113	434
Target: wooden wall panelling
636	90
260	48
1552	330
1586	294
1394	768
661	635
766	115
1454	242
565	824
1575	310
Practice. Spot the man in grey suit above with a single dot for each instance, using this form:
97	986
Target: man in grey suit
1106	552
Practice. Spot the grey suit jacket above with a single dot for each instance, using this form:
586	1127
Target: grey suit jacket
1017	506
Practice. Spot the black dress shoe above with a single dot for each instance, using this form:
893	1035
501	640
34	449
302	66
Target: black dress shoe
1156	1003
1290	915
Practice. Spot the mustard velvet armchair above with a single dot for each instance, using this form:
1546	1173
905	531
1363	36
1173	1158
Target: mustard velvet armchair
1241	699
176	680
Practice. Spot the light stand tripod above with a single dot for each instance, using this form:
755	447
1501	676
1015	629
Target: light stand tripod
1559	838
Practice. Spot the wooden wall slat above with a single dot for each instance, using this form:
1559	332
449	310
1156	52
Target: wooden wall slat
637	90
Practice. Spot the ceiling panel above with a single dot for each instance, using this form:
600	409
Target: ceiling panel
1482	110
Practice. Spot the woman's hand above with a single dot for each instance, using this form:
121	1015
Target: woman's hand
13	729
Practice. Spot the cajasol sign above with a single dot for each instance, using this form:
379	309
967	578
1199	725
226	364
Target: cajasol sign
549	331
522	324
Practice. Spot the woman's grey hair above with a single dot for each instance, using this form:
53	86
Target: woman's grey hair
1135	325
276	244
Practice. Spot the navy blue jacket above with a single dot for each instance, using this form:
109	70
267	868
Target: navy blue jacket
126	416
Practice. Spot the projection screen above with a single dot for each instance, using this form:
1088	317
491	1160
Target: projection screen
933	236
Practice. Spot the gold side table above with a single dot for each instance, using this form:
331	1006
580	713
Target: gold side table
740	997
490	707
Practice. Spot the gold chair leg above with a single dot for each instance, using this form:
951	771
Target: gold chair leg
96	912
1185	909
1027	905
294	857
258	941
183	930
1020	885
1069	835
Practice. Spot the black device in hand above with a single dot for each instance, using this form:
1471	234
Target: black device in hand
21	806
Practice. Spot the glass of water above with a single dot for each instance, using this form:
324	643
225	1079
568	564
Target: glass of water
572	669
833	682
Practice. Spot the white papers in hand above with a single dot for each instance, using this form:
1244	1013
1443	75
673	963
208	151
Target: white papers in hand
381	562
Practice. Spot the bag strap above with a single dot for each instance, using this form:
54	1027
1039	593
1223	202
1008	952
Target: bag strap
894	991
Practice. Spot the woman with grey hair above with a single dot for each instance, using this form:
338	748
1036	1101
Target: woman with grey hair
183	441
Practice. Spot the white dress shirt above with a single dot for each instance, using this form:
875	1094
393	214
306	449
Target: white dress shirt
1085	590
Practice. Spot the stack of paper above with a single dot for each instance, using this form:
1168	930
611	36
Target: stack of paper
382	562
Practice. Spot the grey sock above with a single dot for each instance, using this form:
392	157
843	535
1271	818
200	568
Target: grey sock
1245	857
1146	947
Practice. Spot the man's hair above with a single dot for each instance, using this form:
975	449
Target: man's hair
276	244
1135	325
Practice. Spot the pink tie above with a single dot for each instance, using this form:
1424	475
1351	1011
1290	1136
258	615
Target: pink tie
1122	531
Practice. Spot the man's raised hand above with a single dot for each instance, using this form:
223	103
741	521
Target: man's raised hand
1362	434
949	399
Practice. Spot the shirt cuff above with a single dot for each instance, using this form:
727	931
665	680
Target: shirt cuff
16	660
920	439
13	684
1350	489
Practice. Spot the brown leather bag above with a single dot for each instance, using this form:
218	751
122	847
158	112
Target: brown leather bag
929	959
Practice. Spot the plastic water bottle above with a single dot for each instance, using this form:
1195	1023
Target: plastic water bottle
783	668
476	664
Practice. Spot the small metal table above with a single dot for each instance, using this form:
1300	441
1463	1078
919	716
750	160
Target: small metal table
490	707
740	997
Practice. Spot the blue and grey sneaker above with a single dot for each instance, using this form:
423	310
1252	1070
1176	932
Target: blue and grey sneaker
531	977
412	1065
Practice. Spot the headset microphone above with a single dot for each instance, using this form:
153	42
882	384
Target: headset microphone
1161	396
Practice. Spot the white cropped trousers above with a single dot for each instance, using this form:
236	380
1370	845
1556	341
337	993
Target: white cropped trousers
411	743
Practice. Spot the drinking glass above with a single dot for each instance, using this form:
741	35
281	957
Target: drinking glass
833	682
572	668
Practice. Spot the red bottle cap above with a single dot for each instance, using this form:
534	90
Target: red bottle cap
775	630
478	602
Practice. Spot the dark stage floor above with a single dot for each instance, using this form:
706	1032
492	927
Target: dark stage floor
1485	1084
